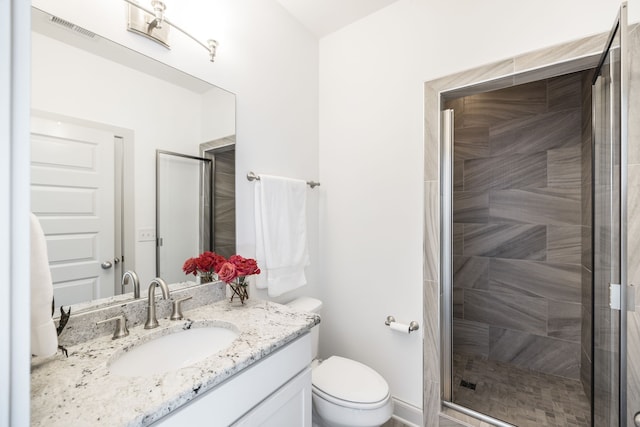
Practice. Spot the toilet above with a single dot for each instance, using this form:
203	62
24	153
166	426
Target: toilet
345	393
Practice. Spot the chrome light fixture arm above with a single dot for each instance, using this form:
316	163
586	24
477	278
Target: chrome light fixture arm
160	19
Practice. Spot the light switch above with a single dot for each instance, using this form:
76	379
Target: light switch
146	235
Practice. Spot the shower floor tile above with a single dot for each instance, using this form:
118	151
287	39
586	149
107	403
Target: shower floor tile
517	396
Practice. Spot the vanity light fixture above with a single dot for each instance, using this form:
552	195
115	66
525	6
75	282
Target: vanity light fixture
153	24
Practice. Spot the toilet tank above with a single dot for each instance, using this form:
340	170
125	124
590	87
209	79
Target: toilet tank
313	305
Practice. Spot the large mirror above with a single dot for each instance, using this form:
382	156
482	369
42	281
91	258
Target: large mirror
100	113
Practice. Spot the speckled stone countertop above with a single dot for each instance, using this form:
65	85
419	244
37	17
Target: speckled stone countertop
80	390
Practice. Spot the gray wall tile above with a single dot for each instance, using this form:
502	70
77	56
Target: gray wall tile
585	373
431	406
471	142
537	133
471	337
478	74
564	244
505	241
458	303
565	167
585	331
508	171
458	241
558	282
486	109
470	206
542	354
431	141
565	321
586	259
573	49
536	206
431	332
633	363
458	175
564	92
432	226
520	313
470	272
634	99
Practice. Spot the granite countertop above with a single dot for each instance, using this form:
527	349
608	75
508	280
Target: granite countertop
80	391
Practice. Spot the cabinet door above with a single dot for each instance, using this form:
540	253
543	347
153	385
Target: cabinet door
289	406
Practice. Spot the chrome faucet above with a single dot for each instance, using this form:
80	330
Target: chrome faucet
152	322
131	275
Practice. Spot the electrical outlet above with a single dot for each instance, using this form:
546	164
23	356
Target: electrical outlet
146	235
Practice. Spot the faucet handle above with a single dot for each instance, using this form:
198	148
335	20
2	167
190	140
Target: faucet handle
176	313
121	326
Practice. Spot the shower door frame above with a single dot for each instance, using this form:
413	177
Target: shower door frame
448	88
205	213
619	29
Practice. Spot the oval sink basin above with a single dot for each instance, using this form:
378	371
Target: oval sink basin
174	351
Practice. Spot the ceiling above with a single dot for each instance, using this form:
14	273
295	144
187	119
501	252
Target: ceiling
326	16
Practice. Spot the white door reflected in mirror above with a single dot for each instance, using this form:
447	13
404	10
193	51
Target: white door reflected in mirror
72	194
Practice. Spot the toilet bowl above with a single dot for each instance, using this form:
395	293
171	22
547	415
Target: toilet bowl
345	393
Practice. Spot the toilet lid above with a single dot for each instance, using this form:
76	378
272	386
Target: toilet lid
348	380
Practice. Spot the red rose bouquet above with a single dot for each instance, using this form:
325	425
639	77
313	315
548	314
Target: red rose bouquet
232	271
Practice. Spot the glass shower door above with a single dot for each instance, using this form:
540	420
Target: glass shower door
609	217
183	191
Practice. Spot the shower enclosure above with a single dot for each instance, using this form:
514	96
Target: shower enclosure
183	214
610	115
533	242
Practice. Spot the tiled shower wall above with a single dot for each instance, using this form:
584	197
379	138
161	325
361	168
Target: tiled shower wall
224	201
518	225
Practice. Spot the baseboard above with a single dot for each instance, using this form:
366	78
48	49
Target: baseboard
406	413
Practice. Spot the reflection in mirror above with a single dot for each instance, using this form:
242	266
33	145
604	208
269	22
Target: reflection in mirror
222	153
183	188
82	81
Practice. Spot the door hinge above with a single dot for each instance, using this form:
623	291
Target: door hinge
614	296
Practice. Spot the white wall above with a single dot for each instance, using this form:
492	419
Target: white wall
371	148
266	58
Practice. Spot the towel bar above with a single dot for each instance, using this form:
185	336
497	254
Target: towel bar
253	177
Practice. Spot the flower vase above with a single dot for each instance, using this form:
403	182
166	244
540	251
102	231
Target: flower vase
239	289
206	277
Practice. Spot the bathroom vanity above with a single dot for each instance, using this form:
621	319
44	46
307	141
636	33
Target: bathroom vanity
262	377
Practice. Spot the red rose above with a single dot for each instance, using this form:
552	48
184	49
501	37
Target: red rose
244	266
190	266
205	262
227	272
218	260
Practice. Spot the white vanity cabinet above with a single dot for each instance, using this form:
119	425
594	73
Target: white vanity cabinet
274	391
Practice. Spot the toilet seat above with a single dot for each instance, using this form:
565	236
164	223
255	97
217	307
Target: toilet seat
350	384
347	404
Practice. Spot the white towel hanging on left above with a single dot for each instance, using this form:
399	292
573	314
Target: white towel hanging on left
44	339
281	233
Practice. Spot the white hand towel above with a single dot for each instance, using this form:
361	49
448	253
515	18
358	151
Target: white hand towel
44	339
281	233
